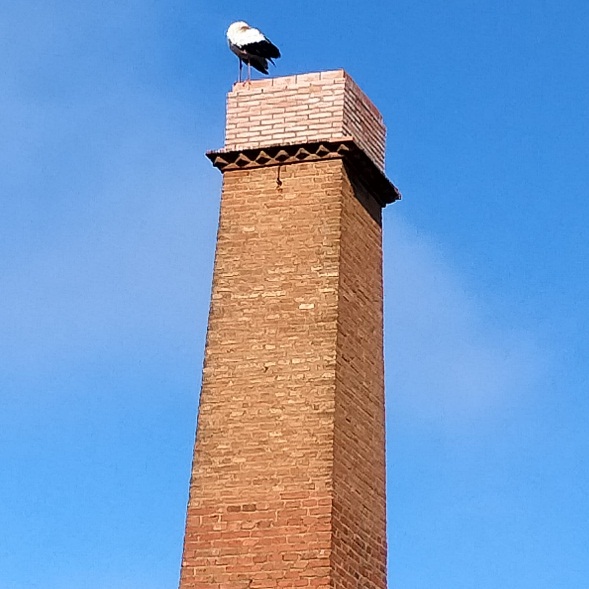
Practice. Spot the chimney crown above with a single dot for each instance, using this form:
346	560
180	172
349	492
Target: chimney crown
304	108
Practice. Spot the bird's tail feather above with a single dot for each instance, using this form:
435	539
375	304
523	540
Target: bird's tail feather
260	64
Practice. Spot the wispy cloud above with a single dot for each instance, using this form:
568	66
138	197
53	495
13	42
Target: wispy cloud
108	203
451	357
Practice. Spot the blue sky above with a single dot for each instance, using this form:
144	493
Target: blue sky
107	230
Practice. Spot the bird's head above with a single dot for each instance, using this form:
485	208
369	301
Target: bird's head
237	27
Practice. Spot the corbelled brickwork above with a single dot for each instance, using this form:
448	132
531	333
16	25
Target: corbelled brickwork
303	109
288	481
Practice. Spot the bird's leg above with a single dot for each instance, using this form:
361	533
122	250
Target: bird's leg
249	73
246	82
240	68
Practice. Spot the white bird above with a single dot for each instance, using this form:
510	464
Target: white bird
251	47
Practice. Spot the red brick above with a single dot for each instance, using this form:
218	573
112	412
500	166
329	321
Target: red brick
288	485
293	109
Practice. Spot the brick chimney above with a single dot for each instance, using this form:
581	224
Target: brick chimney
288	479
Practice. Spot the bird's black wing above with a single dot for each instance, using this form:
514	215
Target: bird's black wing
258	63
264	48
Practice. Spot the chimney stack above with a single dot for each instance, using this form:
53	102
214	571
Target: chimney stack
288	478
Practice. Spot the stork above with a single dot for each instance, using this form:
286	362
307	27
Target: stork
251	47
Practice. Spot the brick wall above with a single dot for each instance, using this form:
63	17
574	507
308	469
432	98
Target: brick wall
303	108
359	506
287	486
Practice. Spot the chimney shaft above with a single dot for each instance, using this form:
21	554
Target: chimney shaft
288	479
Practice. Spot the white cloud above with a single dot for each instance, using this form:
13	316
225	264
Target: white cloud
450	358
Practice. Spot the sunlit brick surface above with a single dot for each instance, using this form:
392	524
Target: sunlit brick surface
288	480
302	108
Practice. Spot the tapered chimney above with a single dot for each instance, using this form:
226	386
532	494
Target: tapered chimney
288	478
